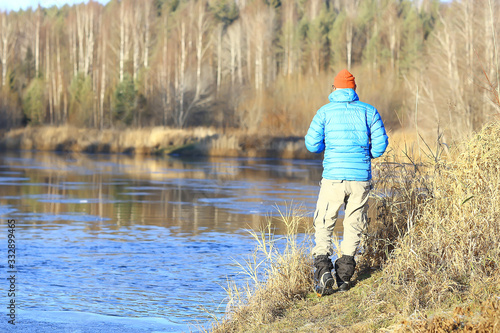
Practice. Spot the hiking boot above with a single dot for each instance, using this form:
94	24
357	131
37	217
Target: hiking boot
344	286
323	275
325	284
344	270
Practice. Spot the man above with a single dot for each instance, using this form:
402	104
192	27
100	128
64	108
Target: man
351	133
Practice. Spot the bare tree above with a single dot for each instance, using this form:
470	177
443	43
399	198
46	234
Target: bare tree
59	91
220	32
73	42
493	41
7	39
259	22
234	37
38	22
202	26
48	75
89	34
81	37
393	30
290	15
147	36
137	29
104	42
315	39
165	72
454	68
181	70
125	23
351	7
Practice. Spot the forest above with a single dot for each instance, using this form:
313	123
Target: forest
249	65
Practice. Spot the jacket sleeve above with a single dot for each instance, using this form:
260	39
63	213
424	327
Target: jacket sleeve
315	137
378	137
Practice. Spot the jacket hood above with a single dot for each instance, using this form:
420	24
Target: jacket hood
343	95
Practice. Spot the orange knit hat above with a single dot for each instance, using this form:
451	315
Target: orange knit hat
344	79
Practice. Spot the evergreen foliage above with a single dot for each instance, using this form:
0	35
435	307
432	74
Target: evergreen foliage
81	101
125	101
226	11
33	102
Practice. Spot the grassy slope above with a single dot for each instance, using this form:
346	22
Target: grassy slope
340	312
441	226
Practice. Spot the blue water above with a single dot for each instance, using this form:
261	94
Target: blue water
123	237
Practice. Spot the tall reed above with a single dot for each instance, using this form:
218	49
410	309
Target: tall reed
402	183
277	273
450	253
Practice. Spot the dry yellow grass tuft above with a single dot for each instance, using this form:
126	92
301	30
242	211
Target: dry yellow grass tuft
278	276
449	253
486	319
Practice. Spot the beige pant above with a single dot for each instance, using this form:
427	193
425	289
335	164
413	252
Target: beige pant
332	195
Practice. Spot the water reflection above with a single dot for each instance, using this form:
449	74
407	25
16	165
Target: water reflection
124	236
191	194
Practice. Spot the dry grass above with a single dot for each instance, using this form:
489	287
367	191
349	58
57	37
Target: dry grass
68	138
450	253
277	277
403	182
483	318
155	140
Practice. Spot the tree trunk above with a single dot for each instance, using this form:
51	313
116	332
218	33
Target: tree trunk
37	42
349	34
496	64
73	55
259	65
165	79
48	75
136	45
289	36
5	33
122	39
232	47
80	37
240	57
48	78
103	80
199	52
351	7
90	42
59	80
249	56
392	40
469	47
65	102
147	10
182	68
219	57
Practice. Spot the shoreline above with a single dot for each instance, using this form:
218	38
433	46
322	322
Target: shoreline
158	141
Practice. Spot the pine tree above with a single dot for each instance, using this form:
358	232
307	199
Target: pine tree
125	101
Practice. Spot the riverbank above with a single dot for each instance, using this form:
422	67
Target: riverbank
155	141
431	264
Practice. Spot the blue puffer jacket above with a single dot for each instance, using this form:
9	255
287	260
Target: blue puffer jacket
350	132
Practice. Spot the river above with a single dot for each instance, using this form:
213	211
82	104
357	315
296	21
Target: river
139	237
